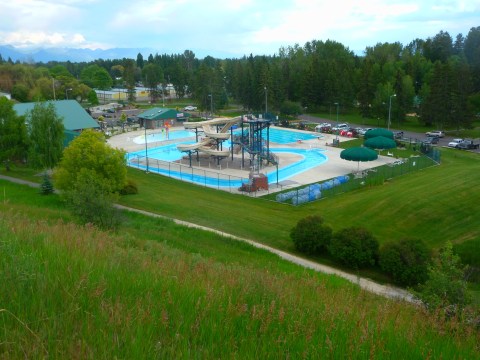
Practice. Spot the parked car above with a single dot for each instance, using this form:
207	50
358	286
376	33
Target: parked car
454	142
438	133
323	126
340	127
431	140
190	108
468	145
363	131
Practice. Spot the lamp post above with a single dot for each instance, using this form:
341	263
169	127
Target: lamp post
146	145
266	101
66	92
211	104
336	132
390	110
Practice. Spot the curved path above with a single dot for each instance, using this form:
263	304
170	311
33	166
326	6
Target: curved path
366	284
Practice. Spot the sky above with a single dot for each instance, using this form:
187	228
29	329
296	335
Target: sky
228	28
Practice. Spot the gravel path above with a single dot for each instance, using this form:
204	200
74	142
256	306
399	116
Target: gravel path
366	284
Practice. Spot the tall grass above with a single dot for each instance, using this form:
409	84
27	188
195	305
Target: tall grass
75	292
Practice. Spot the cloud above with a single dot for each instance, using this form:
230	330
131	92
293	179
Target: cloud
237	27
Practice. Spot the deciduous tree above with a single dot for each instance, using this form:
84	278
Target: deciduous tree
89	152
46	134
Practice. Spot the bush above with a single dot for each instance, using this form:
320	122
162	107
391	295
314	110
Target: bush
405	261
310	236
92	202
130	188
446	288
46	187
355	247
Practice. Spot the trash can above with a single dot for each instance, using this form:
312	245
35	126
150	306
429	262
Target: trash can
336	142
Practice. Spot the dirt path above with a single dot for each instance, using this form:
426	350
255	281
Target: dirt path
366	284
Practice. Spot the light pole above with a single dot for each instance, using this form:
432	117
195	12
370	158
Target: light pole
211	104
390	110
146	145
336	132
266	101
66	92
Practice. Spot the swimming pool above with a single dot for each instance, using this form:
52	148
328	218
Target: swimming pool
161	135
279	136
309	158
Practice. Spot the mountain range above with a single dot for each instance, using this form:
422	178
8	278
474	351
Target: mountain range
44	55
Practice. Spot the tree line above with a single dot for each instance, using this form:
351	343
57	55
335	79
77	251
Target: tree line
438	79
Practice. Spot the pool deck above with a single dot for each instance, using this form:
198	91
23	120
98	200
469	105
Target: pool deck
334	166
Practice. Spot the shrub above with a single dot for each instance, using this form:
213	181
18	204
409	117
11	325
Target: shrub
310	236
46	187
446	288
130	188
92	202
405	261
355	247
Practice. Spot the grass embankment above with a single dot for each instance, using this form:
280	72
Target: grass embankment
436	204
158	290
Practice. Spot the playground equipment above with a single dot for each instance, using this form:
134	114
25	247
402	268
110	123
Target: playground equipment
211	143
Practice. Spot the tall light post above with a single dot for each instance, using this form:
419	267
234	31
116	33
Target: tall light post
336	132
390	110
66	92
211	104
146	145
266	101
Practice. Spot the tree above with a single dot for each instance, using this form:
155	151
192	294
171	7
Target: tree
89	152
46	134
446	287
13	133
153	75
91	200
310	235
405	261
355	247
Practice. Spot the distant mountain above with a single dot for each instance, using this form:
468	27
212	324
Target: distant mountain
69	54
44	55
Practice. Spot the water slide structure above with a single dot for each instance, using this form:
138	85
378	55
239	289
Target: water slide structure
215	132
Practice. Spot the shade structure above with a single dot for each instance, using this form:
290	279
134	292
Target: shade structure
359	154
380	142
378	132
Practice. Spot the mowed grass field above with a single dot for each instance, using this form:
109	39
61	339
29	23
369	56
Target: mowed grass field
436	205
158	290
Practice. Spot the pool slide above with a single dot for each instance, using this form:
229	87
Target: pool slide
208	144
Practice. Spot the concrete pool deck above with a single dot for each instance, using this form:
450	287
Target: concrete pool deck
334	166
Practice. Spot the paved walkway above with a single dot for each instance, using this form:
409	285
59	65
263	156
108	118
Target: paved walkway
366	284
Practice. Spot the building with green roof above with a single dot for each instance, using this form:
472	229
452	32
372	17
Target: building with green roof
156	117
75	118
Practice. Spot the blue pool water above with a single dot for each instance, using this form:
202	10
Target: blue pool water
310	158
279	136
161	135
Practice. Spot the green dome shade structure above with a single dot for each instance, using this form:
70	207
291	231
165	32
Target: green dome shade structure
380	142
359	154
378	132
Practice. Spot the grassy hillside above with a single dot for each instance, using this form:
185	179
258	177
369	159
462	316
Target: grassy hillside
158	290
436	204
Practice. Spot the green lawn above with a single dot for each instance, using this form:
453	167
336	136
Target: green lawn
436	204
159	290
